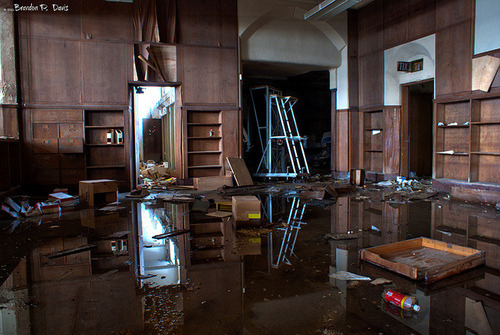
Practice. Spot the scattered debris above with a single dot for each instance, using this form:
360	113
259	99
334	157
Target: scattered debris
64	199
240	190
172	233
112	208
312	194
141	193
344	275
381	281
350	235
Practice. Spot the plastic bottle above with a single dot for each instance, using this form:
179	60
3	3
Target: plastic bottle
401	300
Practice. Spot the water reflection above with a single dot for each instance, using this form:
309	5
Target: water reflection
220	279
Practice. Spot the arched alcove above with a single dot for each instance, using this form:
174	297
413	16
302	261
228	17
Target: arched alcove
423	48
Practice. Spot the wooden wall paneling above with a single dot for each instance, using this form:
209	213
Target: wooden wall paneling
55	72
449	12
229	23
371	24
105	73
392	141
342	140
395	22
104	20
230	133
198	22
210	76
53	24
371	79
405	134
421	18
208	23
355	139
454	59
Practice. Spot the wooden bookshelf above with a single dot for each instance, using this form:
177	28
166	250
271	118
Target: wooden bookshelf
105	160
373	140
471	128
204	143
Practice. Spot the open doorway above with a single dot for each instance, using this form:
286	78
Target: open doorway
154	131
312	113
417	137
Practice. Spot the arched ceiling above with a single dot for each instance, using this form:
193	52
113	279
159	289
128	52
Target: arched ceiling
276	40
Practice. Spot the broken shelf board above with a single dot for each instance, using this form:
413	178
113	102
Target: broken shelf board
240	171
424	258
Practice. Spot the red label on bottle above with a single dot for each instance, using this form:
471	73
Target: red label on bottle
395	298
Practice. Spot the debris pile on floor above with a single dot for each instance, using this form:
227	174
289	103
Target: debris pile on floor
156	175
398	192
22	208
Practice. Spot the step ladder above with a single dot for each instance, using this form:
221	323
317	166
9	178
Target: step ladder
283	152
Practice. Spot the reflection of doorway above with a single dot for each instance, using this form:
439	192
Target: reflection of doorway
417	137
154	125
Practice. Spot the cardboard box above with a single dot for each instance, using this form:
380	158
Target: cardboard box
93	192
246	207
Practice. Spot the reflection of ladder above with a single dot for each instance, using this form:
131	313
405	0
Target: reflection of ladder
291	232
282	136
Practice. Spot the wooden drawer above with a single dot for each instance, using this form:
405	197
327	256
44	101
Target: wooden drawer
72	176
47	161
45	130
72	161
70	145
45	146
56	115
46	176
71	130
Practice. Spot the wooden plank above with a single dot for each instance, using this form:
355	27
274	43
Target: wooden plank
240	171
211	183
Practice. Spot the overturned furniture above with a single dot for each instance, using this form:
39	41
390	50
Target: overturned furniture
281	144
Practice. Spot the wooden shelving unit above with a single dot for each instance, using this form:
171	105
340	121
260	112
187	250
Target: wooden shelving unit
204	143
103	160
475	139
373	140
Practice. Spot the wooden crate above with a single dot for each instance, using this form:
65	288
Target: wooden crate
424	258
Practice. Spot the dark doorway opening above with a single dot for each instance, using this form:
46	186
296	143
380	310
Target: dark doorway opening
418	140
312	112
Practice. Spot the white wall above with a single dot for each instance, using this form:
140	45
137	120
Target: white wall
487	26
421	48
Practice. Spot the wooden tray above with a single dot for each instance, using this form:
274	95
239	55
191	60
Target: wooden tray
422	257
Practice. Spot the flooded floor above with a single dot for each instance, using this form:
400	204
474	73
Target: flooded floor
220	280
